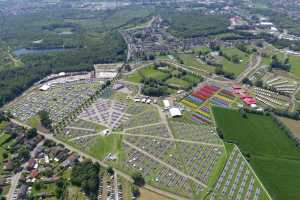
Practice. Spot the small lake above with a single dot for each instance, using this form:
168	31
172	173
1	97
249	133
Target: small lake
24	51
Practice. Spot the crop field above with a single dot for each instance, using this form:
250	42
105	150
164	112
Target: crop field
273	156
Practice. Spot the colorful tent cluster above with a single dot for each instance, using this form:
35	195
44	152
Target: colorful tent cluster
207	93
196	99
247	99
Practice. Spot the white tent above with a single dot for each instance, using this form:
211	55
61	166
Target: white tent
166	103
175	112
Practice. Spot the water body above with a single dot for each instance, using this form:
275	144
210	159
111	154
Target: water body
24	51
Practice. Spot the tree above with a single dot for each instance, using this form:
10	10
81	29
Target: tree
31	133
259	83
138	179
45	119
110	170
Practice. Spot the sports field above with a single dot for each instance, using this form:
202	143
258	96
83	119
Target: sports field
274	157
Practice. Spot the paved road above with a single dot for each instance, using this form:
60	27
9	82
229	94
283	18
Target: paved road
255	61
82	154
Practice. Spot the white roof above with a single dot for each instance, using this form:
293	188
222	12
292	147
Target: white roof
166	103
45	87
175	112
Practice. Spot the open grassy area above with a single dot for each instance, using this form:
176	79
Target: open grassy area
235	68
102	145
177	82
274	157
149	195
293	125
150	72
135	77
295	63
189	60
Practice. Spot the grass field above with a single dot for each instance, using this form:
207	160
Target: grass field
293	125
295	63
178	83
150	72
149	195
235	68
135	77
102	145
190	61
274	157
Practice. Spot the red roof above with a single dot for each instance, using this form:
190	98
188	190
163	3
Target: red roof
34	174
249	101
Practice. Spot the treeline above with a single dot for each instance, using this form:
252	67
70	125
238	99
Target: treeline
277	64
13	82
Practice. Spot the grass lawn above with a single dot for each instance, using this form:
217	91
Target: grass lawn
135	77
34	121
149	195
190	61
178	83
295	63
150	72
102	145
235	68
273	156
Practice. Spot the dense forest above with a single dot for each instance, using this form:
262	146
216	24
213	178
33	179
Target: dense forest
94	38
194	23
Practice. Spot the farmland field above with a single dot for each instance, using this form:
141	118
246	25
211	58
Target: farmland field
293	125
274	157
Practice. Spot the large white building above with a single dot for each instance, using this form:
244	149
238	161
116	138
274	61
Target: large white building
175	112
